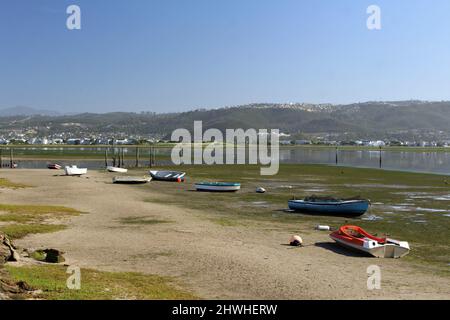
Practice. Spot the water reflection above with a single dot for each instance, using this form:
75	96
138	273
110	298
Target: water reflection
432	162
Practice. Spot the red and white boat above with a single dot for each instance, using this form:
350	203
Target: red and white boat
357	238
54	166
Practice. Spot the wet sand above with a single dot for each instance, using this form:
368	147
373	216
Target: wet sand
213	261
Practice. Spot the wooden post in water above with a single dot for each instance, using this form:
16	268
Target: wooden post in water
150	157
114	156
137	156
106	157
154	156
11	155
380	158
123	156
336	156
1	160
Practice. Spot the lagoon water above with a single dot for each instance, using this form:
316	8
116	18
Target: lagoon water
430	162
414	161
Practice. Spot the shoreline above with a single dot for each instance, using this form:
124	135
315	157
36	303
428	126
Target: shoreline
131	167
171	145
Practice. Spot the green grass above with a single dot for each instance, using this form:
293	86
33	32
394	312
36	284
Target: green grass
141	221
33	213
5	183
21	220
38	255
429	241
17	231
96	285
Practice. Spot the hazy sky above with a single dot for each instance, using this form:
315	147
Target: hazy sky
173	55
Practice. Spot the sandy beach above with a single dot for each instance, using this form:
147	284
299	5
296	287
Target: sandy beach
212	261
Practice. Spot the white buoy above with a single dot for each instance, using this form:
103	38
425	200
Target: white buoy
323	228
295	241
260	190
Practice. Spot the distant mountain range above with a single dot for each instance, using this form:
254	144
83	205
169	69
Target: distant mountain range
26	111
369	119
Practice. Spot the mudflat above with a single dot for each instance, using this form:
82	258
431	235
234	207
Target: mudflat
123	231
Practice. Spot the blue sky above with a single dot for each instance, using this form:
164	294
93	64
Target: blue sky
175	55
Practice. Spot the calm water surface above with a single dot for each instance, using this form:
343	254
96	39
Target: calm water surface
421	161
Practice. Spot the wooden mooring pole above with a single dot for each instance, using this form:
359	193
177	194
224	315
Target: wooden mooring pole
380	158
106	157
137	157
11	158
336	156
150	156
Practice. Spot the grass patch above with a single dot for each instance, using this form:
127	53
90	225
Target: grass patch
22	220
96	285
5	183
33	213
38	255
17	231
141	221
226	222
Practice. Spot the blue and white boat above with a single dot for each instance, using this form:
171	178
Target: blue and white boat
332	207
218	186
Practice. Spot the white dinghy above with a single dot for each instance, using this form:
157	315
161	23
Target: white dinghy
131	180
116	169
74	171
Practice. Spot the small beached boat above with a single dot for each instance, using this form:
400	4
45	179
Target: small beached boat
116	169
330	206
167	175
131	180
54	166
356	238
218	186
75	171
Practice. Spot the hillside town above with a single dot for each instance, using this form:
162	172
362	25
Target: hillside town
284	140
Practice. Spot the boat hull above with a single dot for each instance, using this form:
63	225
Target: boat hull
352	208
232	187
116	169
131	180
369	244
75	171
173	176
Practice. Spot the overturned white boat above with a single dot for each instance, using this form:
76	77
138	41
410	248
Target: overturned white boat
131	180
116	169
75	171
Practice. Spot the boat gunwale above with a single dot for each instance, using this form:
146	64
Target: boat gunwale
218	184
335	203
